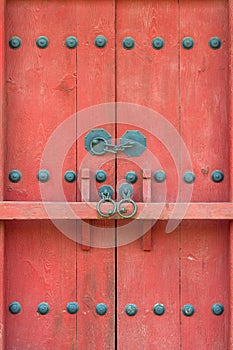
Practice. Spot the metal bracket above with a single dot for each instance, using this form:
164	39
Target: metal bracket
98	142
139	141
95	141
126	191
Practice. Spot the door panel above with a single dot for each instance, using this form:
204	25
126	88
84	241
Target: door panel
163	93
148	77
204	128
96	88
41	261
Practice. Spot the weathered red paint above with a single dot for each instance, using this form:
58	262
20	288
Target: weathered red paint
230	337
41	93
96	85
2	184
204	247
146	211
194	264
148	77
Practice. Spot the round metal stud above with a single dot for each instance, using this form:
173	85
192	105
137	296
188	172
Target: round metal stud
100	176
70	176
189	177
101	309
131	177
188	310
71	42
159	309
43	176
42	42
187	43
72	307
128	43
43	308
158	43
100	41
15	308
15	42
131	309
15	176
160	176
217	176
215	43
217	309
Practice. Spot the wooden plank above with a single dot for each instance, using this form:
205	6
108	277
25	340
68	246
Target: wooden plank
41	94
95	89
230	339
187	211
2	162
85	195
147	238
203	106
147	77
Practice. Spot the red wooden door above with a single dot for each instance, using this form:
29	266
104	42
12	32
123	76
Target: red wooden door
71	279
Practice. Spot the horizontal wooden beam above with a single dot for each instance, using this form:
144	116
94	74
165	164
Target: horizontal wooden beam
84	210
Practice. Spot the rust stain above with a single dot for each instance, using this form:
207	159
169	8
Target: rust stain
205	170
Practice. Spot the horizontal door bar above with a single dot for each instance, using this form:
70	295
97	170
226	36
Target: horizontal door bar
84	210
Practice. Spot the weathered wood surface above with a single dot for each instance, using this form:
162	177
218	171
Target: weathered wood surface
85	210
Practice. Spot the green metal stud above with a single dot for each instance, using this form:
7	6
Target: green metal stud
15	42
71	42
42	42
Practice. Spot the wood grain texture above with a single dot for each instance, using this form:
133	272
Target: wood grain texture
2	162
204	128
85	195
149	78
41	94
146	239
96	86
230	338
150	211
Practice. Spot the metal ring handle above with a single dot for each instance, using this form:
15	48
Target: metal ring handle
127	200
110	213
101	139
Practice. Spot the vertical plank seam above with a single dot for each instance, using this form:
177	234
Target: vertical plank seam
2	156
230	116
76	164
179	126
116	136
